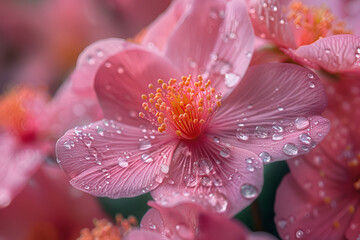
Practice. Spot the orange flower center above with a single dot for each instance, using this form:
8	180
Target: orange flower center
315	22
15	115
181	108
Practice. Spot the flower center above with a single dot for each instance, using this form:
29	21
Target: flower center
15	113
183	108
315	22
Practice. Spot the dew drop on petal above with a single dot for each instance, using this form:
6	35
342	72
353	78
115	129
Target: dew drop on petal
100	130
311	84
305	138
265	157
231	79
277	137
248	191
184	232
146	144
216	139
206	181
301	123
190	180
164	168
225	152
310	75
261	132
120	70
146	158
290	149
123	162
203	166
90	60
282	224
280	109
242	136
299	234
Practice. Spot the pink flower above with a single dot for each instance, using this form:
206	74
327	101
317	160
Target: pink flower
22	146
48	208
190	221
199	149
320	198
310	32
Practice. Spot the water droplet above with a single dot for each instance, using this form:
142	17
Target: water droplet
190	180
216	139
265	157
299	234
164	168
301	123
250	168
280	109
282	21
218	201
261	132
217	182
69	144
99	53
90	60
146	158
100	130
290	149
248	191
358	50
87	142
242	136
225	152
108	65
310	75
87	187
123	162
278	128
118	131
213	57
311	84
282	224
305	138
206	181
231	79
146	144
248	54
277	137
274	8
120	70
184	232
203	166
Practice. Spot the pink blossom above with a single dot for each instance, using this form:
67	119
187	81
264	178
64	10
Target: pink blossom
324	203
22	146
190	221
313	33
229	132
48	208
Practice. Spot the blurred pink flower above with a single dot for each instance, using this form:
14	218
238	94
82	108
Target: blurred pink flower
199	149
48	208
22	145
190	221
320	198
310	32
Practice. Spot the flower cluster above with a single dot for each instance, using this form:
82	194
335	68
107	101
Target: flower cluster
192	110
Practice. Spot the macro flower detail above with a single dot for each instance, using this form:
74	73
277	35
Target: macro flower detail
204	133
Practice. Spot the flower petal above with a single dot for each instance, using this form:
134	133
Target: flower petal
107	158
143	235
159	31
335	54
273	112
298	215
18	163
211	41
89	61
270	21
218	176
124	77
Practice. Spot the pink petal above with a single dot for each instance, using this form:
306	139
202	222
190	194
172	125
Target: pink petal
210	42
221	177
273	112
352	231
107	158
89	61
335	54
326	167
48	203
122	80
143	235
210	225
298	214
158	32
270	21
18	163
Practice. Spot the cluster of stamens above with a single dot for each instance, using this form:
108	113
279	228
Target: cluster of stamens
316	22
181	107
